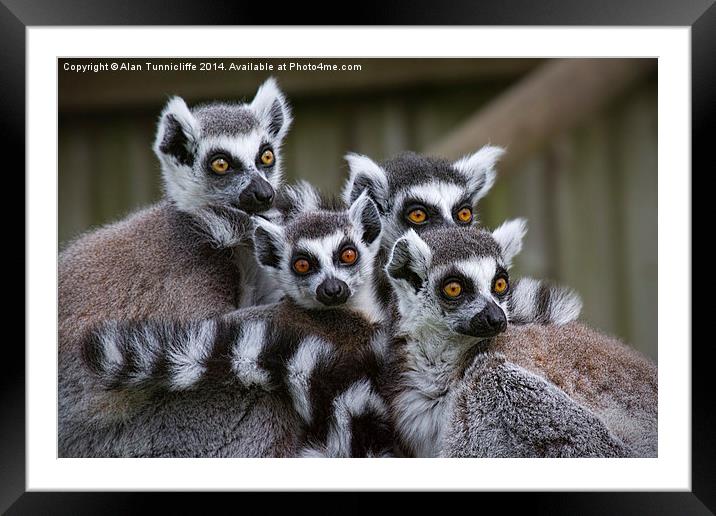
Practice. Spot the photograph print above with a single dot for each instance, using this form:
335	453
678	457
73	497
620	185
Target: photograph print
362	257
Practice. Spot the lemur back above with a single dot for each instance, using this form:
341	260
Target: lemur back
321	347
185	256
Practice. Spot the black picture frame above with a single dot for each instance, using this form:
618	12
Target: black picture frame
17	15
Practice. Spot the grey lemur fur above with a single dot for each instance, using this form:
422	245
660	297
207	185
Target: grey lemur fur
454	295
188	256
320	347
615	382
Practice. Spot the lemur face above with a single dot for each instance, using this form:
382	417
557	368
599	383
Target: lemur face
454	281
224	156
420	193
322	258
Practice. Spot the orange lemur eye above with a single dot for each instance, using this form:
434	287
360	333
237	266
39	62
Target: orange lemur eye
349	256
500	286
452	289
301	266
220	166
418	216
267	157
464	215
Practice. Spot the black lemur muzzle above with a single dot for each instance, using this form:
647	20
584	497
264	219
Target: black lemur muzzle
258	196
332	292
490	321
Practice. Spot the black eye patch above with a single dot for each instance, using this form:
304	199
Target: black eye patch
345	244
433	214
304	255
463	203
235	163
500	273
467	285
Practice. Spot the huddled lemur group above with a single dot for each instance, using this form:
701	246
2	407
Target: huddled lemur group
241	316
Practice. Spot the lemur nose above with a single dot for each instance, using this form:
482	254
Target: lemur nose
490	321
264	194
332	292
257	196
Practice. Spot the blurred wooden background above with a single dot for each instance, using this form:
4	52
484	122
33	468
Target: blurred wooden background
588	188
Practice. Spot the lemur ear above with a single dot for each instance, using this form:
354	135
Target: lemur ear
272	109
509	236
177	133
365	175
409	261
268	242
363	213
479	170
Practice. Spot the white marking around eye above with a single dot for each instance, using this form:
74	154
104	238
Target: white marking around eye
480	270
440	194
323	249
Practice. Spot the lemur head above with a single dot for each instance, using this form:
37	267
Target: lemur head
453	282
223	155
418	192
323	258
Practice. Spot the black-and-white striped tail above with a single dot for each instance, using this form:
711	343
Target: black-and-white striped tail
540	302
334	392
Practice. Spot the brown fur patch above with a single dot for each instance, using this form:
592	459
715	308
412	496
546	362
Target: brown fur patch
612	379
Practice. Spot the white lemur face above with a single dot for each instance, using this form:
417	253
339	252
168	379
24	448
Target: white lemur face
323	258
222	156
453	282
420	193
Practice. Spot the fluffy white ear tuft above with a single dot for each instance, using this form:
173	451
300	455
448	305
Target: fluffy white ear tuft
268	243
301	197
479	170
272	109
363	213
409	261
177	133
365	175
509	236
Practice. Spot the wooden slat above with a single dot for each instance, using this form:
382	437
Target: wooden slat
553	98
635	171
74	182
584	221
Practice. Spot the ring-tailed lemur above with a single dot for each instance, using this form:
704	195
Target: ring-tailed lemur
453	292
321	346
188	256
419	192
